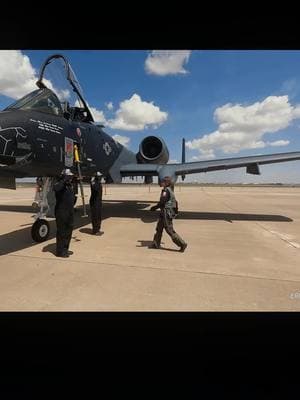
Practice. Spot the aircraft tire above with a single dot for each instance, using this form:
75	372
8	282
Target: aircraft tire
40	230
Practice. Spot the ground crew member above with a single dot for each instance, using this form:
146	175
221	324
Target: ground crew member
96	203
64	212
168	210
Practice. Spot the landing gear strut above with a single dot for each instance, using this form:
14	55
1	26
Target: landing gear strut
41	228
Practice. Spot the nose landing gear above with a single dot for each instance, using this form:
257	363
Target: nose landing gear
40	230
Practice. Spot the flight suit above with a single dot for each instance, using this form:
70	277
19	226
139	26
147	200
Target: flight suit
64	214
168	210
96	204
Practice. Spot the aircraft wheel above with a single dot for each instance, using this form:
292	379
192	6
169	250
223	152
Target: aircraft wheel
40	230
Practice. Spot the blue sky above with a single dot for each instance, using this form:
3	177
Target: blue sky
245	102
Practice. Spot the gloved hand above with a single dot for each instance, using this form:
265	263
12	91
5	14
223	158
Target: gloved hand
153	208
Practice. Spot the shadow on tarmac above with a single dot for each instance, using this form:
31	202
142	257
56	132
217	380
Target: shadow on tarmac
135	209
21	238
89	231
148	243
50	248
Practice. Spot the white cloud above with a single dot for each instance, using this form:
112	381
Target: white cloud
98	115
109	105
133	115
279	143
207	155
62	94
124	140
243	127
136	115
167	62
17	76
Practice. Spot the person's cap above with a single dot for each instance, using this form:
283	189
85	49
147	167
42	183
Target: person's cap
67	172
98	173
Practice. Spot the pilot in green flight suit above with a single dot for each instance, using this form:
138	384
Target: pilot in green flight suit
168	210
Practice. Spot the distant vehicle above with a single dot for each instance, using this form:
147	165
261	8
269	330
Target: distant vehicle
41	133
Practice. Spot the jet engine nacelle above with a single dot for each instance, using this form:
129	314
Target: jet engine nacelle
153	150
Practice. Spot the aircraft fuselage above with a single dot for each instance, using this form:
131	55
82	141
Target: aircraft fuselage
34	143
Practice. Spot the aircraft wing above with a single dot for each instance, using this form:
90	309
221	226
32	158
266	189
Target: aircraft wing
251	163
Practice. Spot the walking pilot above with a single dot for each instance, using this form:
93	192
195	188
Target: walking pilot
168	211
96	203
64	212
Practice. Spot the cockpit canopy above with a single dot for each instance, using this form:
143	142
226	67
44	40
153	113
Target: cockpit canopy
57	74
45	100
59	92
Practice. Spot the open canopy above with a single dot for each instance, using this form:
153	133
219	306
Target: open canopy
57	74
59	92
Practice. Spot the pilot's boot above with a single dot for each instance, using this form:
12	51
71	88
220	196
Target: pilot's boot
179	242
154	245
183	247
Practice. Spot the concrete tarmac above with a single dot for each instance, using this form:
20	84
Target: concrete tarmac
243	253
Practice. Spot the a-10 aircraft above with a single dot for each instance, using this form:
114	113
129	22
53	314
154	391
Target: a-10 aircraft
39	133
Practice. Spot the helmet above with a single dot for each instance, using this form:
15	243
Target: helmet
98	174
67	172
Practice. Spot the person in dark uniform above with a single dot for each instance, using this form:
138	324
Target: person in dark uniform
64	212
168	211
96	203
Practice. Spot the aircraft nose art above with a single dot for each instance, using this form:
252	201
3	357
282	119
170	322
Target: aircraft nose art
12	140
13	144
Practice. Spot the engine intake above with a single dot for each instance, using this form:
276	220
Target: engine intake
153	150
